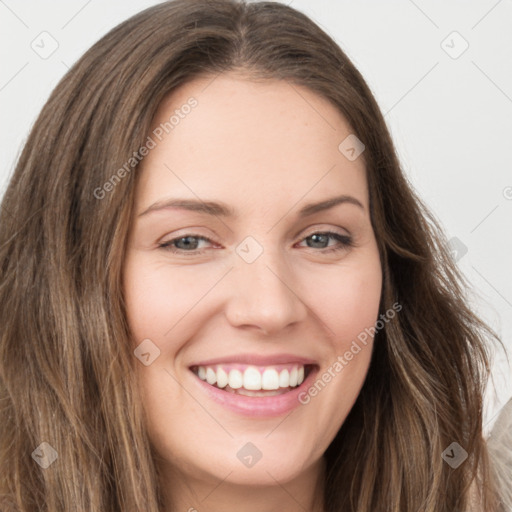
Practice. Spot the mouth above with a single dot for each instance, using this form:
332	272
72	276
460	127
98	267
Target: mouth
255	389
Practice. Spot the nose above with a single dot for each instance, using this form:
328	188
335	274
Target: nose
264	295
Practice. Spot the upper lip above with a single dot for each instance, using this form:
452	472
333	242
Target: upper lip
257	360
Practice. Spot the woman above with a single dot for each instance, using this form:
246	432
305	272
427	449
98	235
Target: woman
218	289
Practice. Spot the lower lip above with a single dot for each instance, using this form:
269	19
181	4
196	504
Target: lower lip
261	406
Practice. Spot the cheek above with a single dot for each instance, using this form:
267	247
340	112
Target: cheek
346	299
347	302
350	313
158	298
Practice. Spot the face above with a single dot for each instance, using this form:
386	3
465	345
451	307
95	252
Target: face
251	264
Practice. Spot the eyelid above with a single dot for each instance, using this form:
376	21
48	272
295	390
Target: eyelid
188	231
321	228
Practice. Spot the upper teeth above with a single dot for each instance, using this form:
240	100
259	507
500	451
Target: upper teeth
252	378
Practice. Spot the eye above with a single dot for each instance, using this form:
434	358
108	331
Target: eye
320	240
190	243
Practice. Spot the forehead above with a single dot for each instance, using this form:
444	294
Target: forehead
258	142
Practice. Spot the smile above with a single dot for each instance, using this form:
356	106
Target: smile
255	389
247	380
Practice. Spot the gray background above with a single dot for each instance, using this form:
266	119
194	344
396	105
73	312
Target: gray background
449	109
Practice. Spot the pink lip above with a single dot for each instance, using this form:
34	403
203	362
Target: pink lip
256	406
257	360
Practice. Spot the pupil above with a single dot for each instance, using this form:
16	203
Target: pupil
188	244
321	239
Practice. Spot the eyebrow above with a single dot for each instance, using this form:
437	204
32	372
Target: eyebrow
222	210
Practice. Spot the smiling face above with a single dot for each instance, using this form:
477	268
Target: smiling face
255	266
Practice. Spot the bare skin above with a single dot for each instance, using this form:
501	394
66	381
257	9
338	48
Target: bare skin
265	150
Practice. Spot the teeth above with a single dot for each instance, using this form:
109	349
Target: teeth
235	379
284	379
300	376
294	375
270	380
211	376
252	379
222	378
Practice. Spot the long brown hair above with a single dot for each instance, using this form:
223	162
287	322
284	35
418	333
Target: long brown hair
66	368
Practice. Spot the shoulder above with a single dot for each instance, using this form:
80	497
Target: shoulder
499	444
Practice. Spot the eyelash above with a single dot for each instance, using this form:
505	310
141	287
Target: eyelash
344	242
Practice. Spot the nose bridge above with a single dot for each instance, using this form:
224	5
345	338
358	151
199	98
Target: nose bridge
263	290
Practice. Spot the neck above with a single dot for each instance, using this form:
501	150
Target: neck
188	493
